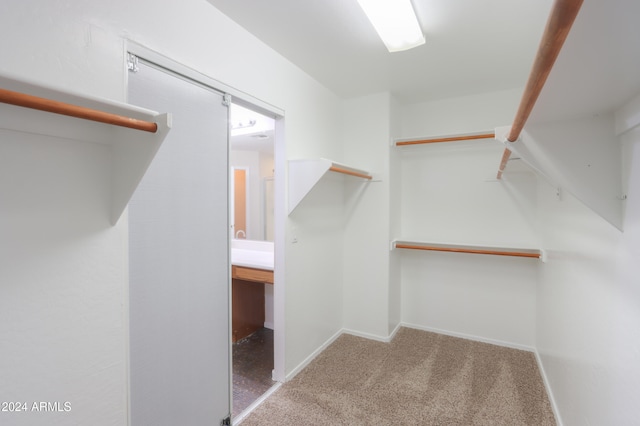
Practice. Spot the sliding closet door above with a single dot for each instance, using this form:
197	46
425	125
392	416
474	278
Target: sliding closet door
179	266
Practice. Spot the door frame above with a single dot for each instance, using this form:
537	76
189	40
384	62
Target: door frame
265	108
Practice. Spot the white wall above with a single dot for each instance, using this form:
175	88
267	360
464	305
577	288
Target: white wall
464	114
449	194
588	327
80	45
64	275
314	271
62	282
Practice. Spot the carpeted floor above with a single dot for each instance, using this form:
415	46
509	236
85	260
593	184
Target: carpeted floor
252	365
420	378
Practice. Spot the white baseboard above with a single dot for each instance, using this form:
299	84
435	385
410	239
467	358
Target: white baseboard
395	331
369	336
387	339
268	325
332	339
545	380
311	357
366	335
471	337
255	404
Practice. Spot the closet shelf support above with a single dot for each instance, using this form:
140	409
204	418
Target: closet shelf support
304	174
344	171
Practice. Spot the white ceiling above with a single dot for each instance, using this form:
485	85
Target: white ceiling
472	46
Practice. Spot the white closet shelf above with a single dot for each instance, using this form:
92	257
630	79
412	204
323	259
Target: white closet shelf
305	174
466	248
133	134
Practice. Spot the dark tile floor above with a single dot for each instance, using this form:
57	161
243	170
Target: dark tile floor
252	365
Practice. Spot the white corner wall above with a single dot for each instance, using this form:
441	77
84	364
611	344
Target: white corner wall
67	295
450	195
395	225
588	327
314	272
366	138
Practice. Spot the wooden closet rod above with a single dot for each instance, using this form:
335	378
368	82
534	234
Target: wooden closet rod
349	172
503	163
562	15
465	250
49	105
448	139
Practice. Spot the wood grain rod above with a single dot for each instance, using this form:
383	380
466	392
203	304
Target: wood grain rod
448	139
349	172
503	163
563	14
56	107
473	251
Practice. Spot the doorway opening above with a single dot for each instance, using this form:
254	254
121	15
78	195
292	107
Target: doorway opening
252	167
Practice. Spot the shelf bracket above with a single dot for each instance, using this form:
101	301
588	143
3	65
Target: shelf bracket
304	175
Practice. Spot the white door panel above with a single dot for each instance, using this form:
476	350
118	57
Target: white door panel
179	265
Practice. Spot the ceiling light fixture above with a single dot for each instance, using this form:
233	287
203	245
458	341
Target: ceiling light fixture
396	23
243	125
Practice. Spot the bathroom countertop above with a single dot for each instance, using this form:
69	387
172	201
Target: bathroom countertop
252	254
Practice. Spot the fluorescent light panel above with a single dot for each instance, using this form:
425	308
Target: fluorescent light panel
396	23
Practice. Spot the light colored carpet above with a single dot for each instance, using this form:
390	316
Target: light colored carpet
420	378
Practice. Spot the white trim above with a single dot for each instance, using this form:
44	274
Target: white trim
313	355
395	331
238	96
471	337
268	324
245	413
279	245
366	335
547	385
375	337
